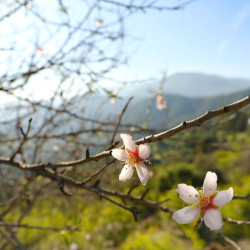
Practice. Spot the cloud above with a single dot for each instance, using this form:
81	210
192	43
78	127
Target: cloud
242	15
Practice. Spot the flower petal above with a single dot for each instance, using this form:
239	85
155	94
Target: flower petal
186	215
188	193
144	151
142	172
119	154
210	183
212	219
126	173
223	197
128	142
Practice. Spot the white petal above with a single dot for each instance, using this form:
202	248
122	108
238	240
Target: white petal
188	193
210	183
144	151
186	215
128	142
142	172
126	173
212	219
223	197
119	154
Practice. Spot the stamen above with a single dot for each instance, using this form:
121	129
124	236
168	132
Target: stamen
133	157
204	202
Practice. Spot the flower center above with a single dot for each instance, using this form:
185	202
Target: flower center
204	202
133	157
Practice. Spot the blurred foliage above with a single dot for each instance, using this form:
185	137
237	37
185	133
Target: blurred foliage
184	158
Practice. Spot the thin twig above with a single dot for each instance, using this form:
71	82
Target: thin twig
131	209
246	197
13	224
150	6
229	241
25	134
97	172
239	222
119	120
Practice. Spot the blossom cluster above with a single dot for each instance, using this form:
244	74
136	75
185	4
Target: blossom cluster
205	203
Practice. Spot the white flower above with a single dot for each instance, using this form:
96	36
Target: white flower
206	203
134	156
113	96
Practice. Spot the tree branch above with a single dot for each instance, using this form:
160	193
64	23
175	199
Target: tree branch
239	222
119	120
12	224
229	241
149	139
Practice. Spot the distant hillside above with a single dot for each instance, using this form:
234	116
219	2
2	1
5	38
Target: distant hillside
192	85
178	108
99	107
201	85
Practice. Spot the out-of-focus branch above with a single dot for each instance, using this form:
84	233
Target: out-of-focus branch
10	13
92	176
246	197
119	120
17	225
25	134
239	222
131	209
64	135
148	6
229	241
139	200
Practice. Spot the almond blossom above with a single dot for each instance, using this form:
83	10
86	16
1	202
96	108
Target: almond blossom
133	156
206	202
160	102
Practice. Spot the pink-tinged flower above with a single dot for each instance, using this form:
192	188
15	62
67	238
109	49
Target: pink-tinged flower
133	156
40	51
206	203
160	102
98	22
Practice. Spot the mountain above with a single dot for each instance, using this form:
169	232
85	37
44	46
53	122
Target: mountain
191	85
179	108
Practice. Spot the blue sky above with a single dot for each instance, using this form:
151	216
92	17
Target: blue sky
210	36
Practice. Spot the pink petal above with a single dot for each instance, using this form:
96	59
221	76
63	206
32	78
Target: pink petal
212	219
186	215
126	173
188	193
223	197
128	142
119	154
142	172
210	183
144	151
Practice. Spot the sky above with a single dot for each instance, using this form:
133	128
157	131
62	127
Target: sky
209	36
